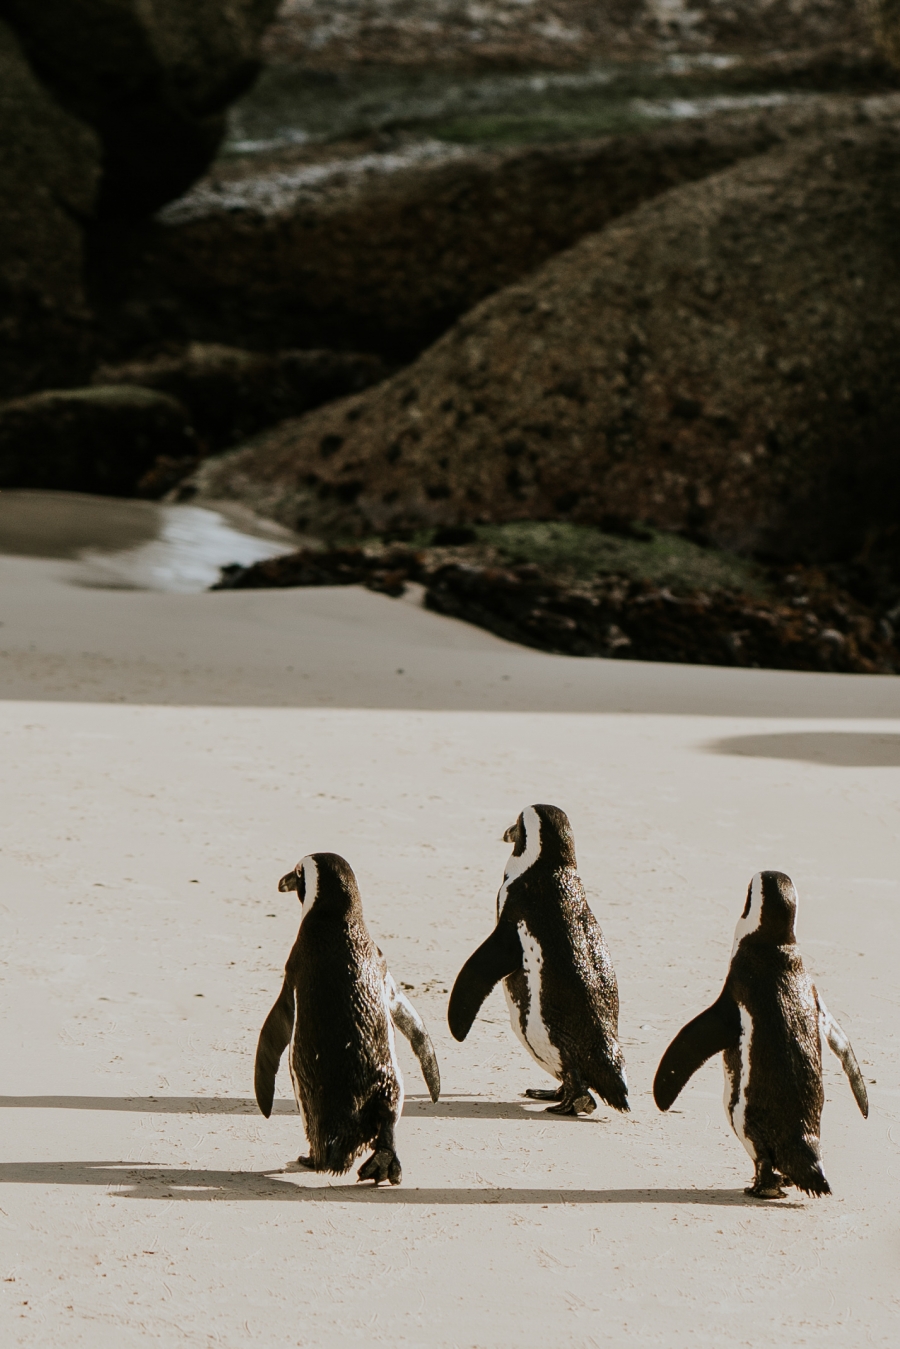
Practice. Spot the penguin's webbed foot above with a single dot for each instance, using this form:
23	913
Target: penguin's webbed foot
543	1094
384	1164
766	1192
767	1183
571	1103
307	1163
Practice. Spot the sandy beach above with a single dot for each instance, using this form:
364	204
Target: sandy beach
165	757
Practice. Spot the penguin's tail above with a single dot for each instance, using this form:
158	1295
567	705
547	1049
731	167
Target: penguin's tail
340	1152
357	1131
335	1142
615	1094
610	1082
802	1166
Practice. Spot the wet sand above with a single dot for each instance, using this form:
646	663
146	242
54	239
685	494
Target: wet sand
165	757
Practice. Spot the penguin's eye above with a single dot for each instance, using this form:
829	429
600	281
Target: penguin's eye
747	905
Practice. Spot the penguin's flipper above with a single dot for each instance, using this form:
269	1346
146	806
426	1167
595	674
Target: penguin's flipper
409	1023
716	1029
495	959
838	1041
273	1040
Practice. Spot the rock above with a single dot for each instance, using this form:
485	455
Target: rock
565	34
152	79
49	169
618	618
383	252
230	394
101	440
721	361
886	21
386	571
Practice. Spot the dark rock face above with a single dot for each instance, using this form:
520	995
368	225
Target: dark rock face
386	263
49	169
722	360
886	19
91	440
230	394
152	80
552	33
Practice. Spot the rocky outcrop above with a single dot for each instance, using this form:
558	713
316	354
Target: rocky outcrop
721	360
100	440
152	79
379	254
886	21
49	169
325	34
230	394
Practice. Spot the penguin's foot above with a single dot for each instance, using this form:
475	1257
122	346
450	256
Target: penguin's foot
768	1183
571	1103
384	1164
542	1094
306	1162
766	1192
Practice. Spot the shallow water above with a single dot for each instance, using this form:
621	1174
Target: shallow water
290	105
133	545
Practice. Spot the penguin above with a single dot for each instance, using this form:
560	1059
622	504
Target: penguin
556	969
338	1009
768	1023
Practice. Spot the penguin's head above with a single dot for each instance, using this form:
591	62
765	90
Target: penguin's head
770	910
322	878
545	832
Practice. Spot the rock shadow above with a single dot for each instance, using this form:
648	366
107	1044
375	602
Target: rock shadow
839	749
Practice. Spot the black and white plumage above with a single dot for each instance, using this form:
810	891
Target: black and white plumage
556	969
768	1023
337	1010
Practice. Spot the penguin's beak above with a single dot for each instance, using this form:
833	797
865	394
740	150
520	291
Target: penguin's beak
512	834
288	882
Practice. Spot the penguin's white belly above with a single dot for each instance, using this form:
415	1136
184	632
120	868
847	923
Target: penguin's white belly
294	1083
392	1046
533	1033
737	1113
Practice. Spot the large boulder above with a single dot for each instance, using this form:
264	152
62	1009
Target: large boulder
378	254
151	76
886	20
230	393
722	360
49	169
100	440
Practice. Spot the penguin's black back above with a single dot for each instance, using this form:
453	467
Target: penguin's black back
784	1096
341	1051
579	993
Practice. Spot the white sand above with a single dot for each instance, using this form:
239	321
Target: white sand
141	1200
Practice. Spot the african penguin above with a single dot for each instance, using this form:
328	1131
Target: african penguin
556	969
768	1023
338	1009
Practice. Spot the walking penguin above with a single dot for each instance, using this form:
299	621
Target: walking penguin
338	1009
769	1023
556	969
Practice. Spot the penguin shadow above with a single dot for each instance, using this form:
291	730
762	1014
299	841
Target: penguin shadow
838	749
148	1105
468	1107
137	1181
416	1107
